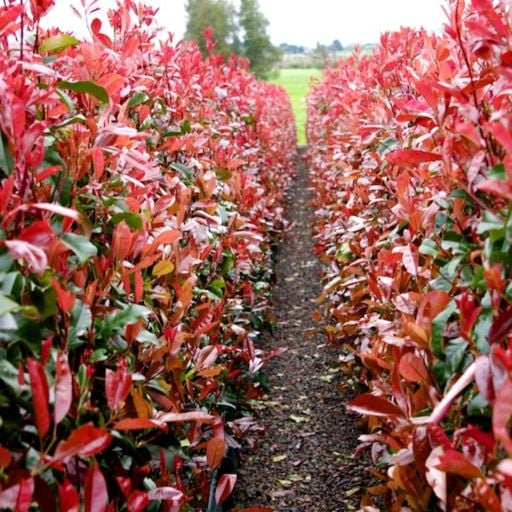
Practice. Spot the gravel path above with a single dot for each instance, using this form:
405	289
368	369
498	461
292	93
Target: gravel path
303	462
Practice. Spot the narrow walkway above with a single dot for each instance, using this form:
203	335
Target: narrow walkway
303	463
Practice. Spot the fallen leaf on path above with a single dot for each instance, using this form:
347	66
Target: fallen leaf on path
299	419
279	458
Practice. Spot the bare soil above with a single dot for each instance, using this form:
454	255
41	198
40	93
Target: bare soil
303	461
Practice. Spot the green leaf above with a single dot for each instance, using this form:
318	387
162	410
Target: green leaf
498	172
185	171
9	374
117	321
479	406
490	223
462	194
7	305
454	242
81	320
132	219
438	326
57	43
481	331
138	99
86	87
385	145
6	161
455	351
429	248
217	287
80	245
66	100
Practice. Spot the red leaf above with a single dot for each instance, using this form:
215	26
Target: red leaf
374	406
412	368
499	188
39	385
68	497
411	157
39	233
224	488
65	298
63	388
117	385
433	303
501	414
501	326
454	462
95	490
139	424
167	237
468	314
5	457
138	501
25	492
501	134
215	452
86	441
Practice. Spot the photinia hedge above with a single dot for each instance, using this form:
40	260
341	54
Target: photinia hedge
410	151
140	194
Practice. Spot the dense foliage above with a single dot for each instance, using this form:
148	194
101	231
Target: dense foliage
410	149
140	191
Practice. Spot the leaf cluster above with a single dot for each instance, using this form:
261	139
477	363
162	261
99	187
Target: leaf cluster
410	155
140	193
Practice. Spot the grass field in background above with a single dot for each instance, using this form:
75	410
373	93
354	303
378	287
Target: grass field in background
296	82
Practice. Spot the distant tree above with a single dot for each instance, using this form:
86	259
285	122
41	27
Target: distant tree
217	14
291	48
336	46
256	44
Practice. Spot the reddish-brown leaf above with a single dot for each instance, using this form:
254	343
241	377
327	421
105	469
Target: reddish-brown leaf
39	386
487	497
63	388
456	463
215	452
95	490
224	488
86	441
412	368
139	424
374	406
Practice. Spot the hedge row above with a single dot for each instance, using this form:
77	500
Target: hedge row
140	192
410	151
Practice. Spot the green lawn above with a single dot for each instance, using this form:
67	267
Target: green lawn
296	82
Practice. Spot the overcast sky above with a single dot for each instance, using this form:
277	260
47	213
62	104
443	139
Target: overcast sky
303	22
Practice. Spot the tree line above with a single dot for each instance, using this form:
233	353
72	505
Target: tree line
241	30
